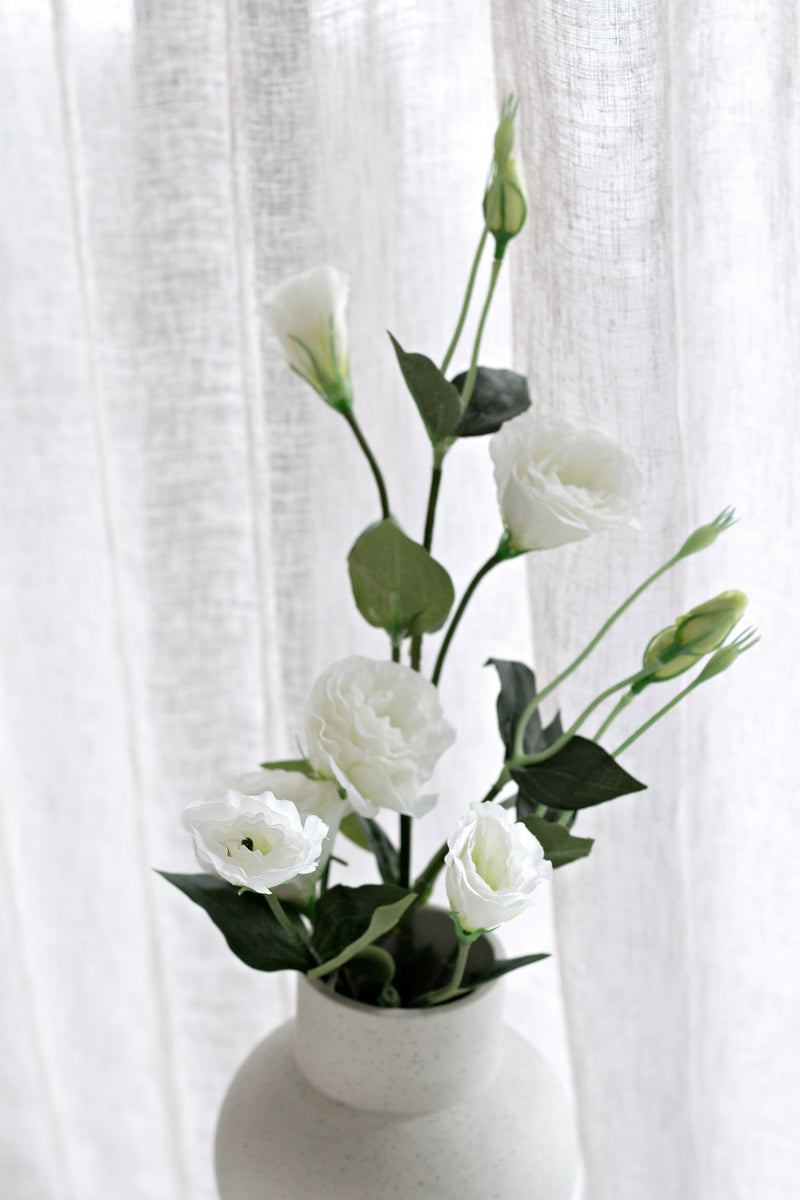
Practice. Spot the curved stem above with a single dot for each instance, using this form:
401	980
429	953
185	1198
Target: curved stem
467	297
447	992
469	382
465	599
376	471
527	760
530	709
433	496
301	939
621	704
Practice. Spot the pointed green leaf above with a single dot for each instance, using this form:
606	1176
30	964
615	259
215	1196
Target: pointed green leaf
559	846
517	689
249	927
397	584
370	836
497	397
381	920
581	775
438	401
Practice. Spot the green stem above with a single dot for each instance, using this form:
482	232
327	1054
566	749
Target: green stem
621	704
530	709
376	471
433	496
469	382
527	760
656	717
447	993
405	850
465	599
468	296
291	930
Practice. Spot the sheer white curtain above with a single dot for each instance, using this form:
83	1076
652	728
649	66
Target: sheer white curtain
176	513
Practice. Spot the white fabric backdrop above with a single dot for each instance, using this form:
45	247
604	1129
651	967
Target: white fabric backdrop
176	512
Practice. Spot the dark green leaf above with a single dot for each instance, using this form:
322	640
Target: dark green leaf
250	929
560	847
351	828
498	396
382	918
291	764
397	584
344	913
438	401
526	808
504	965
580	775
517	689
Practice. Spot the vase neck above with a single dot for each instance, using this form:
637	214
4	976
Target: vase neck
398	1060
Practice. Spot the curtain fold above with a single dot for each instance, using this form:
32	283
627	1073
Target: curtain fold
177	510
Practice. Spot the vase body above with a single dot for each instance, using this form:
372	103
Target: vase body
350	1102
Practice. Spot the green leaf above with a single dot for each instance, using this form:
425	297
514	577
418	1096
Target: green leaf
349	919
397	584
497	397
560	847
438	401
249	927
351	828
503	965
302	765
580	775
517	689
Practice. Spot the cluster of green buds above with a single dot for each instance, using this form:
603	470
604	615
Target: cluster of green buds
505	203
699	632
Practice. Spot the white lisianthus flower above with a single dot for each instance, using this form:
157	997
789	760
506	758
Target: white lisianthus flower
258	842
558	483
311	797
493	866
306	315
378	729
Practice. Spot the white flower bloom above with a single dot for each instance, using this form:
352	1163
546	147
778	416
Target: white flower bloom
559	483
306	315
257	842
311	797
378	729
493	866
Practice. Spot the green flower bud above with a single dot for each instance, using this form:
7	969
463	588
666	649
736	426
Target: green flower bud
706	535
504	136
705	628
699	632
505	205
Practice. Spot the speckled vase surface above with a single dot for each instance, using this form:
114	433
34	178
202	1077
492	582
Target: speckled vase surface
351	1102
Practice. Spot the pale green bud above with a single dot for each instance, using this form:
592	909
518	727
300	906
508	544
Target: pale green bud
663	646
504	136
705	628
706	535
505	205
726	656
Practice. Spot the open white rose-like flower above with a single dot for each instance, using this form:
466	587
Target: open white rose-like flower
311	797
493	866
379	730
306	315
258	842
558	482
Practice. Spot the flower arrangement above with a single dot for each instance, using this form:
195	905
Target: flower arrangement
375	730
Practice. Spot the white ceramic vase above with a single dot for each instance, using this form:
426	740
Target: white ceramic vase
351	1102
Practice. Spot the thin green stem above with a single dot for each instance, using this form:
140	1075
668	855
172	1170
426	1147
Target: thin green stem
301	938
447	992
530	709
469	382
656	717
527	760
467	297
396	652
433	496
621	704
465	599
405	850
349	416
